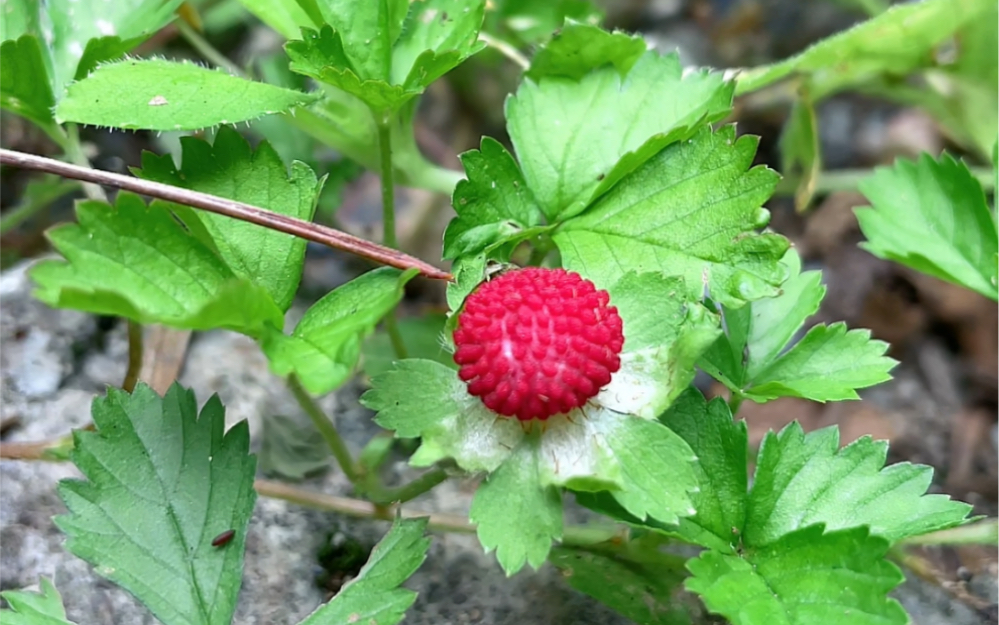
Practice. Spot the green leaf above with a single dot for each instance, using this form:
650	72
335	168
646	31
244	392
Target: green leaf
806	578
422	398
326	343
515	514
828	364
804	479
231	169
532	22
579	49
932	216
101	50
703	184
291	449
639	583
139	262
576	138
896	42
801	154
374	596
367	50
155	94
423	339
493	203
147	508
34	608
287	17
720	445
752	358
24	86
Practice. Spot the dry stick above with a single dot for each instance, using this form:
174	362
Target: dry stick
237	210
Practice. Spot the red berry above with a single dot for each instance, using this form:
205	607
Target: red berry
536	342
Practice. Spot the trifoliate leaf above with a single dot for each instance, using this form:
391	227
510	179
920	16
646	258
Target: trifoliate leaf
368	51
326	343
374	596
147	513
24	86
753	360
34	608
578	49
826	365
804	479
423	337
155	94
801	154
139	262
639	582
932	216
806	578
231	169
703	184
576	138
896	42
493	203
665	333
720	446
422	398
515	514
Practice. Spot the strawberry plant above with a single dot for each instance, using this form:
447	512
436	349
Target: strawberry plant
615	247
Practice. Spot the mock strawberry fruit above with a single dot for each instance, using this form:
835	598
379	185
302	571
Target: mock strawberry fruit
535	342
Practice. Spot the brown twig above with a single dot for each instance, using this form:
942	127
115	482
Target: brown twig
237	210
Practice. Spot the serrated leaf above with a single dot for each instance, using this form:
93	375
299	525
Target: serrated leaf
804	479
639	583
704	184
801	154
229	168
387	52
806	578
147	512
326	344
570	135
423	339
579	49
493	202
24	86
515	514
896	42
752	357
720	445
422	398
291	448
828	364
374	596
34	608
139	262
932	216
155	94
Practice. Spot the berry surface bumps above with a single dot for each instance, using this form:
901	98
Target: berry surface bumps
536	342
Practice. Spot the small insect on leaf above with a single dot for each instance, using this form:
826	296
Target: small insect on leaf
223	538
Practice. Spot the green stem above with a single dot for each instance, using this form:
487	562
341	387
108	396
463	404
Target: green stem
384	123
207	50
33	205
734	402
395	336
849	179
506	49
401	494
326	429
134	356
74	151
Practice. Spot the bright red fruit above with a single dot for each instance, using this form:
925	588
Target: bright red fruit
533	342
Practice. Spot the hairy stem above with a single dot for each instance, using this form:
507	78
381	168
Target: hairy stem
237	210
401	494
384	123
134	356
326	429
395	336
506	49
74	151
207	50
